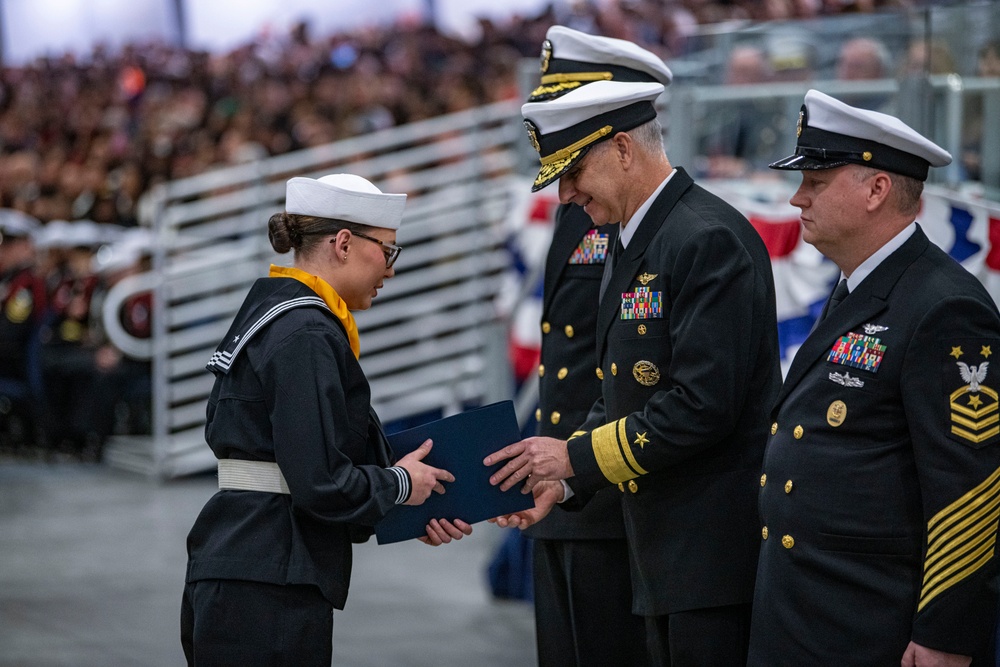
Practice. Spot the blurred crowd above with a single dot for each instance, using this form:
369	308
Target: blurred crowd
83	137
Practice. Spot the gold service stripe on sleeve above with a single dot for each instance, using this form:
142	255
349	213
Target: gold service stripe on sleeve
966	524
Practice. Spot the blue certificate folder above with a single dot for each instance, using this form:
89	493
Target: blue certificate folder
461	442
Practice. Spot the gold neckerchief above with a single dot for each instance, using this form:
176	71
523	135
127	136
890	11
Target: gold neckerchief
329	295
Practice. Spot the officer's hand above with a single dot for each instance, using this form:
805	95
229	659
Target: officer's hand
532	459
423	478
547	494
921	656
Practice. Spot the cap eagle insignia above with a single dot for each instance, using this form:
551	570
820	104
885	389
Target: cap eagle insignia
973	375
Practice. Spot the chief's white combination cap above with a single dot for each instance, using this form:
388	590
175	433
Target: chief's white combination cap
832	134
344	197
562	130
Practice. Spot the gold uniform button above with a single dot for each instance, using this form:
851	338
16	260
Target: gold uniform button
541	370
621	487
614	369
538	415
600	374
642	329
569	331
763	532
632	486
555	417
798	432
788	541
763	479
788	486
774	428
563	372
546	327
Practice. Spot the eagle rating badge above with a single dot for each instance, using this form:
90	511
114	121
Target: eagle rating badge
974	405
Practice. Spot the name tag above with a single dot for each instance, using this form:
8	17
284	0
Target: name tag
642	304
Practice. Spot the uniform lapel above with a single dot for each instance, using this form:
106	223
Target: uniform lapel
861	306
631	259
570	227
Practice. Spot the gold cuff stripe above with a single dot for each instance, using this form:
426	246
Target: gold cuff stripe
627	448
944	554
576	434
980	495
974	425
956	573
559	87
976	438
567	77
564	153
609	453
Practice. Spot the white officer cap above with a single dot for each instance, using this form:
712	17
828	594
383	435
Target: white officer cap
832	134
571	59
344	197
562	130
16	224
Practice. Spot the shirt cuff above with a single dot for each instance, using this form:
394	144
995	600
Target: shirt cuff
404	483
567	492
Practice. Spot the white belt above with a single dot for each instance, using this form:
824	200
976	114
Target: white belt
251	476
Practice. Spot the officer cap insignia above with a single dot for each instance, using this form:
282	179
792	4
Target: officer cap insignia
646	373
532	135
546	56
646	278
800	122
846	380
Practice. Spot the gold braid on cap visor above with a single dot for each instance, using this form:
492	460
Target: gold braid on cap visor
552	84
556	163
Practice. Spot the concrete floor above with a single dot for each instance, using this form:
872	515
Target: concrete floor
92	568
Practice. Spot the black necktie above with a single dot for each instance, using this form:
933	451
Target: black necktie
838	295
609	266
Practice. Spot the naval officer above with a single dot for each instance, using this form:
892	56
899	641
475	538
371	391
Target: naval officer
580	566
687	346
881	479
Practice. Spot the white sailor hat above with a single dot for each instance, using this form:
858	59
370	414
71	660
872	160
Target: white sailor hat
562	130
571	59
832	134
16	224
344	197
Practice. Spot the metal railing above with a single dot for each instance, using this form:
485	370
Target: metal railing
433	340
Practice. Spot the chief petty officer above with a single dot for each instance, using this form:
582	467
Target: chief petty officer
881	482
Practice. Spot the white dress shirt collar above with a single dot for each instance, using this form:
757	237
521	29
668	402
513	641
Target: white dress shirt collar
629	226
870	264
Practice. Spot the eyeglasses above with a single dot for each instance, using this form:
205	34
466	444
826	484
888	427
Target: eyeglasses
391	251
